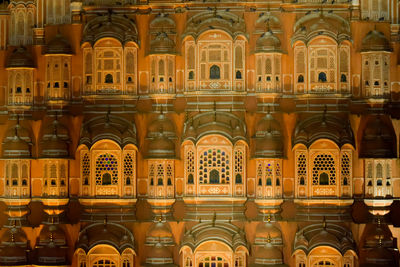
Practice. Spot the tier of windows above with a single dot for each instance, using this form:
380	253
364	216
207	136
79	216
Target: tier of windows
161	178
269	178
215	63
322	67
21	24
329	171
20	84
377	10
58	77
17	178
162	74
55	178
104	256
375	73
111	173
378	174
215	170
110	69
58	12
268	72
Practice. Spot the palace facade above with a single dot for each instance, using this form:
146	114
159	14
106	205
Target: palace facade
211	133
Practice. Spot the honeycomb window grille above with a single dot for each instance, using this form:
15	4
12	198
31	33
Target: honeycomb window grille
269	175
106	166
151	174
345	169
160	174
239	166
85	169
278	174
128	169
170	174
190	166
324	170
302	169
259	174
212	162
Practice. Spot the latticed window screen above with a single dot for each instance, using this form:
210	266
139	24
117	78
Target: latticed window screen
104	263
259	174
268	174
324	168
190	166
345	169
214	167
239	166
85	169
302	169
213	261
128	169
106	164
278	174
170	174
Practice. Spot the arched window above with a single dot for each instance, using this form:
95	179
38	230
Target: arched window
109	79
238	179
85	169
214	177
238	74
191	75
379	182
322	77
215	72
379	171
106	179
190	179
323	179
269	182
343	78
300	79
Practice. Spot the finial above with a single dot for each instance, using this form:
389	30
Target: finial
324	223
105	220
269	218
269	238
380	237
160	219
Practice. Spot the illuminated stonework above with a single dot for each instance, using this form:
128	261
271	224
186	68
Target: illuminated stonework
199	133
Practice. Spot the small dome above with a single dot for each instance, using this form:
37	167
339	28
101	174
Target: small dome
58	45
161	147
269	140
266	231
161	122
52	234
20	58
159	230
268	255
379	139
324	237
17	143
162	44
268	43
55	141
375	41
